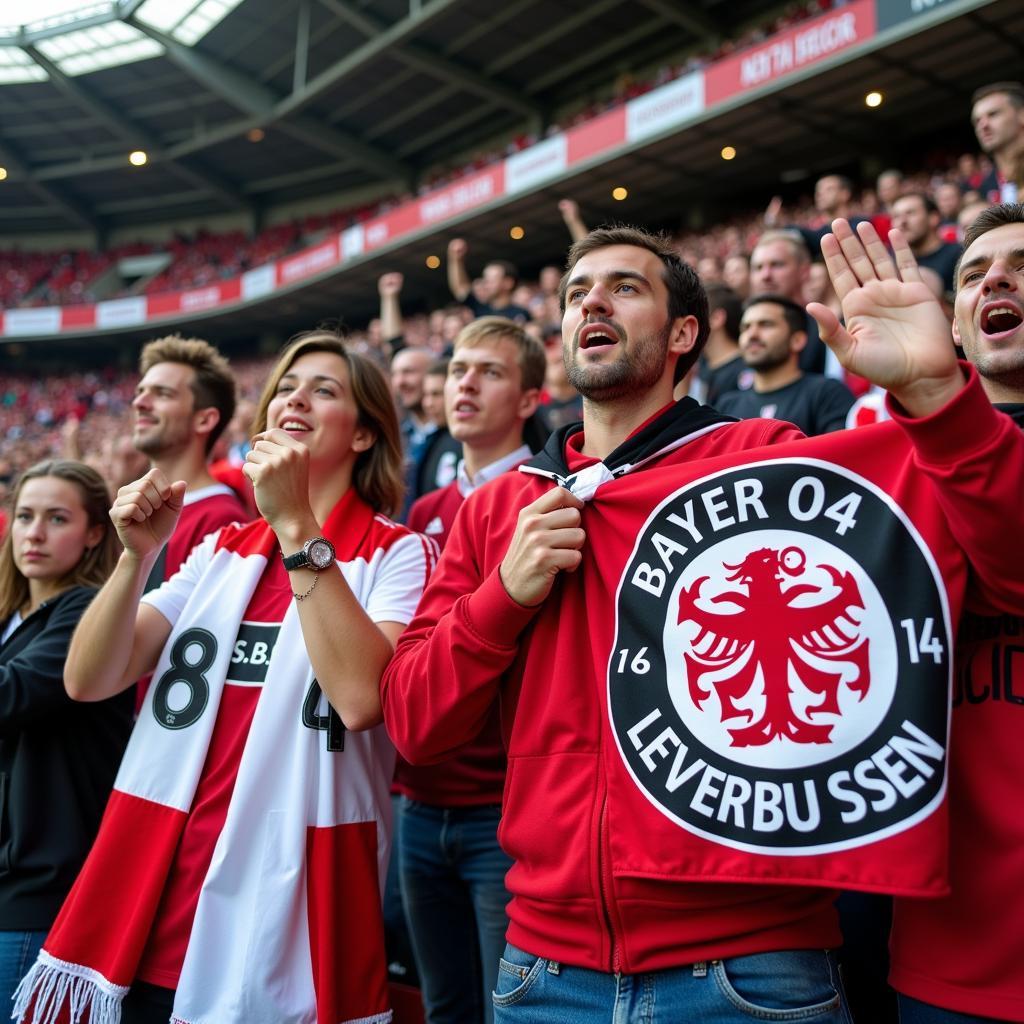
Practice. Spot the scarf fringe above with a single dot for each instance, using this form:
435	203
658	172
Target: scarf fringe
52	984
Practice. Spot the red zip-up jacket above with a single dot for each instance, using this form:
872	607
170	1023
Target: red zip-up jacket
931	960
740	700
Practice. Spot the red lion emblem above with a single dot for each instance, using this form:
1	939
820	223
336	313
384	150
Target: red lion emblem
770	633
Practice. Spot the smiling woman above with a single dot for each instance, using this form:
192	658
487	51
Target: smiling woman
57	758
267	649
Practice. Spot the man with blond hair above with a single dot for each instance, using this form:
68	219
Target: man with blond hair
451	867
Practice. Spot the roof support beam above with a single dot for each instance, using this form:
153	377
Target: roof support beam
825	125
257	100
688	16
560	28
126	8
450	127
996	31
925	77
448	70
134	135
240	91
301	46
360	57
567	69
412	110
54	198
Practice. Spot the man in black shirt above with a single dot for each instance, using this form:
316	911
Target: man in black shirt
499	281
772	335
918	217
721	365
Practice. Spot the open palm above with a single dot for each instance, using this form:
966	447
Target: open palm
896	334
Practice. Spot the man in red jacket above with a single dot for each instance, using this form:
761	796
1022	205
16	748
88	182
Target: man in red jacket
451	867
941	978
696	644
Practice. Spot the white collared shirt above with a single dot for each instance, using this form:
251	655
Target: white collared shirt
503	465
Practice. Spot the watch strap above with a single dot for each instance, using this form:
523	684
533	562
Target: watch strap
297	561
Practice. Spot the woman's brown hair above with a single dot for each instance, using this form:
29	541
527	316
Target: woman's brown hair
377	474
96	563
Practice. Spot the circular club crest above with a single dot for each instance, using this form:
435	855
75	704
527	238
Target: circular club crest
780	671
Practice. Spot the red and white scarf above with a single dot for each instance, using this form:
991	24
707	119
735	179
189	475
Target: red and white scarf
288	926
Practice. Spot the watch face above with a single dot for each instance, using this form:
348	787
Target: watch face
320	554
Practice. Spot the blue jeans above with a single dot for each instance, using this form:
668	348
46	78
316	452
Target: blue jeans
18	952
397	944
792	985
453	890
912	1011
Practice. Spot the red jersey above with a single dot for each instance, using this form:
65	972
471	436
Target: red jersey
228	473
434	514
966	952
204	511
704	729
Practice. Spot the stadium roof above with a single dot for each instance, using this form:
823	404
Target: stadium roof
786	128
355	97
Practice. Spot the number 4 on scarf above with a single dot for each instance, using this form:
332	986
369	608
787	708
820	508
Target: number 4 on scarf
331	722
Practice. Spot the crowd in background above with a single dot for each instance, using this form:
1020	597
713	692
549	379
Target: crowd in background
39	418
69	277
760	270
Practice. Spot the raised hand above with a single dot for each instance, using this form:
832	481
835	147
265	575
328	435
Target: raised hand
547	541
146	511
390	284
896	334
569	208
457	249
278	466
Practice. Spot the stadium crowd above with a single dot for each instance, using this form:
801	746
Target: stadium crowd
29	279
476	388
34	416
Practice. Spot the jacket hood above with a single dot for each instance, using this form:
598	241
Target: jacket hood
680	423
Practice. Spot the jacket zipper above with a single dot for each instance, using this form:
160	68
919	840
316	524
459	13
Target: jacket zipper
604	872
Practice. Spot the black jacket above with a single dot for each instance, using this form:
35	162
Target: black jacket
58	759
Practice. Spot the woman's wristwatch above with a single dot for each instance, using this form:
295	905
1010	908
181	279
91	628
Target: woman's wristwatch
316	554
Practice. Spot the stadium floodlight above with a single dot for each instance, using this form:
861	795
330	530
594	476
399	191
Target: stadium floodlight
3	173
619	193
137	158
